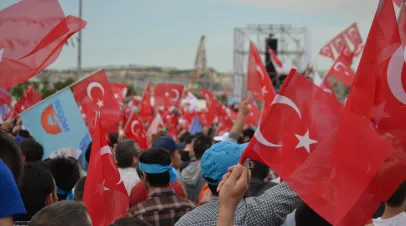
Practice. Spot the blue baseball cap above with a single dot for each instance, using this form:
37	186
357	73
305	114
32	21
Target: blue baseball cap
218	158
168	143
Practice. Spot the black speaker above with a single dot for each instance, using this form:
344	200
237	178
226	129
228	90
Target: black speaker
273	44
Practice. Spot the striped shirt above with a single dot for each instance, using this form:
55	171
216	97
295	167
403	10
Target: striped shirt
162	208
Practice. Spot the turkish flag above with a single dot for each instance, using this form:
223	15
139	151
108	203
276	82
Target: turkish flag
258	80
32	35
327	51
353	34
119	91
104	195
168	95
280	67
378	94
4	97
348	55
336	174
339	42
211	107
146	108
341	70
255	114
135	130
28	99
94	94
301	116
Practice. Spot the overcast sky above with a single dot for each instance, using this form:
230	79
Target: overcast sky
167	33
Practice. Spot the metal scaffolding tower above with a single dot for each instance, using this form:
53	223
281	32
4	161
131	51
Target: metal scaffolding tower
292	43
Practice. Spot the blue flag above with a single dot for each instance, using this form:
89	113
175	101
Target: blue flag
196	127
56	123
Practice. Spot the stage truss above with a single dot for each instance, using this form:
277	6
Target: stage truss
293	48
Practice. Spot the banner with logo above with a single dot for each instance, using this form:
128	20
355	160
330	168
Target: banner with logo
56	123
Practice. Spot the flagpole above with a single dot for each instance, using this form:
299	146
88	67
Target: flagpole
60	91
79	69
402	6
128	120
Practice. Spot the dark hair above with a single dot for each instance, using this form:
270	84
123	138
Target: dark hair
213	188
113	137
259	170
36	186
130	221
66	172
11	155
63	213
88	151
186	138
157	156
398	197
125	152
79	189
248	133
24	133
305	216
32	150
201	144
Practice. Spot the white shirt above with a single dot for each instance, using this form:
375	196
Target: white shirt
398	220
130	178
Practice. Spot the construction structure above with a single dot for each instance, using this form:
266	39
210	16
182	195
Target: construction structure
292	45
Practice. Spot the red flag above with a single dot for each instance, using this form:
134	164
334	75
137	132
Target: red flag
168	95
32	35
339	170
358	50
255	114
28	99
327	51
146	107
259	82
398	2
104	194
339	42
280	67
211	103
378	95
301	116
341	69
353	34
348	54
4	97
134	130
94	94
119	91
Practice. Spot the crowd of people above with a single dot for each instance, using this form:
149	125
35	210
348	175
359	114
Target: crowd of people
191	180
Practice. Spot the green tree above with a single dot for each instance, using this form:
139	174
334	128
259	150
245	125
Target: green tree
131	90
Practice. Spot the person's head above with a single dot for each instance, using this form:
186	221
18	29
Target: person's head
306	216
79	189
88	152
11	155
155	167
200	145
24	133
247	134
38	188
259	170
113	140
217	159
398	198
127	153
63	213
130	221
174	149
66	173
31	150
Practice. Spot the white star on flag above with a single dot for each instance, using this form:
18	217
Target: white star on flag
100	103
305	141
378	113
264	91
1	54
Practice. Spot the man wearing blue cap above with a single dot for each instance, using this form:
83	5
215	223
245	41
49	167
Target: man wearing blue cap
269	209
163	207
174	149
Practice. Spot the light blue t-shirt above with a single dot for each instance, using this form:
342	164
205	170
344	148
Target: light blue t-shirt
11	202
